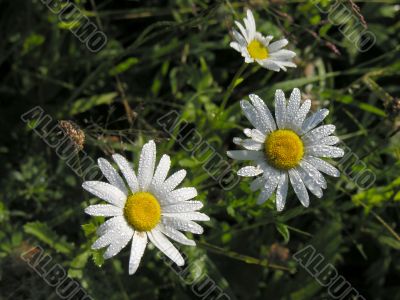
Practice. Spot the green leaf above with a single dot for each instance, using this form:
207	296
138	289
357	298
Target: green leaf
124	66
378	195
31	42
69	25
88	229
372	109
45	234
391	242
238	81
85	104
284	231
78	264
98	258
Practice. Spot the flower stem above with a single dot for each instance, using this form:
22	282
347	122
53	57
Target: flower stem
231	86
382	221
245	258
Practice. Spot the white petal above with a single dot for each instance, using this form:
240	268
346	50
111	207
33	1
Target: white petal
265	39
249	171
251	24
181	224
257	135
105	191
104	210
174	180
112	175
269	187
139	242
301	115
310	183
280	64
119	242
264	113
237	141
243	31
330	140
323	166
252	115
313	120
245	154
268	170
127	171
280	109
299	187
293	105
185	206
110	224
281	191
282	55
190	216
246	55
239	38
319	132
288	64
161	172
257	184
254	134
248	144
176	235
250	32
247	132
146	165
104	240
181	194
275	46
324	151
314	174
165	246
116	237
235	46
270	65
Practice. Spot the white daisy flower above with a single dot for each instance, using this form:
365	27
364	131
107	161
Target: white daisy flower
147	208
255	47
287	149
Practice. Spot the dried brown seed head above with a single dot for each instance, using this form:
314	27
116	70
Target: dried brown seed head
74	132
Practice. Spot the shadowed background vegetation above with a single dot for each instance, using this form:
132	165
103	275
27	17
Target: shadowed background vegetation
175	55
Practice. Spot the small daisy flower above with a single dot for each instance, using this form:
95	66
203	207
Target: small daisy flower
287	149
255	47
147	208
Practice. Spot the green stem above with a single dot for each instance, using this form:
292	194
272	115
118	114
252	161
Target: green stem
231	86
383	222
120	285
299	231
245	258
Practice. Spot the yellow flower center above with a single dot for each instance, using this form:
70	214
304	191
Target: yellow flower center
257	50
284	149
142	211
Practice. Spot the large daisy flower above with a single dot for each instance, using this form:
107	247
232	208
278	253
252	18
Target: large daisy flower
255	47
147	208
287	149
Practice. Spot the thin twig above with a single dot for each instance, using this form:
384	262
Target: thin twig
231	86
382	221
245	258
